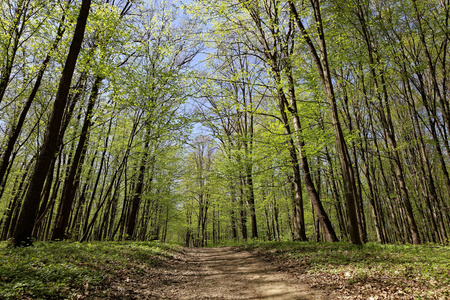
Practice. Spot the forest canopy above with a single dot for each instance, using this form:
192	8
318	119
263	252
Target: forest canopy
200	121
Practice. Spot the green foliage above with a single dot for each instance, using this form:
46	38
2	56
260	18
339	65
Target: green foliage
61	270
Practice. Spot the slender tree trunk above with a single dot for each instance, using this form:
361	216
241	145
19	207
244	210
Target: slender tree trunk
432	67
15	34
350	193
251	203
274	218
14	205
71	183
283	105
268	228
25	224
17	129
298	219
322	216
359	206
188	238
387	125
49	194
233	220
337	201
242	211
135	202
116	176
388	187
146	214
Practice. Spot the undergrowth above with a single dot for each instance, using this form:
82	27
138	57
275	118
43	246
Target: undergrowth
64	270
61	270
397	271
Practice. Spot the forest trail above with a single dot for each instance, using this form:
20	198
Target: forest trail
215	273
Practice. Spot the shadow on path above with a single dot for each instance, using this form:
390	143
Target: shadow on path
214	273
225	273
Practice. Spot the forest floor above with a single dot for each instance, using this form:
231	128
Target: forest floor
273	273
256	270
215	273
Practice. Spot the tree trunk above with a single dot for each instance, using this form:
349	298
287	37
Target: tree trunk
137	195
337	201
14	205
350	193
233	220
251	203
17	129
242	211
116	176
298	219
71	183
24	228
18	27
330	235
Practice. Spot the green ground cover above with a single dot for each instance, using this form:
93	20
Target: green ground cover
61	270
397	271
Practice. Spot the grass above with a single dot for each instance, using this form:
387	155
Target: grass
408	271
62	270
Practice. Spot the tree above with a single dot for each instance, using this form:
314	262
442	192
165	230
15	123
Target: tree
72	180
25	223
321	61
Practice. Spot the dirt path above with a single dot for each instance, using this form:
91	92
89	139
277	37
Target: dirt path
214	273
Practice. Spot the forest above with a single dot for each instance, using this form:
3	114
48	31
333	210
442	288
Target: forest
200	122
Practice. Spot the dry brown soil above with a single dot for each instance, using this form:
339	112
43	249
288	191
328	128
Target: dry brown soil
212	273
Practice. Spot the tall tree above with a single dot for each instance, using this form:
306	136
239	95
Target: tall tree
25	223
323	68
